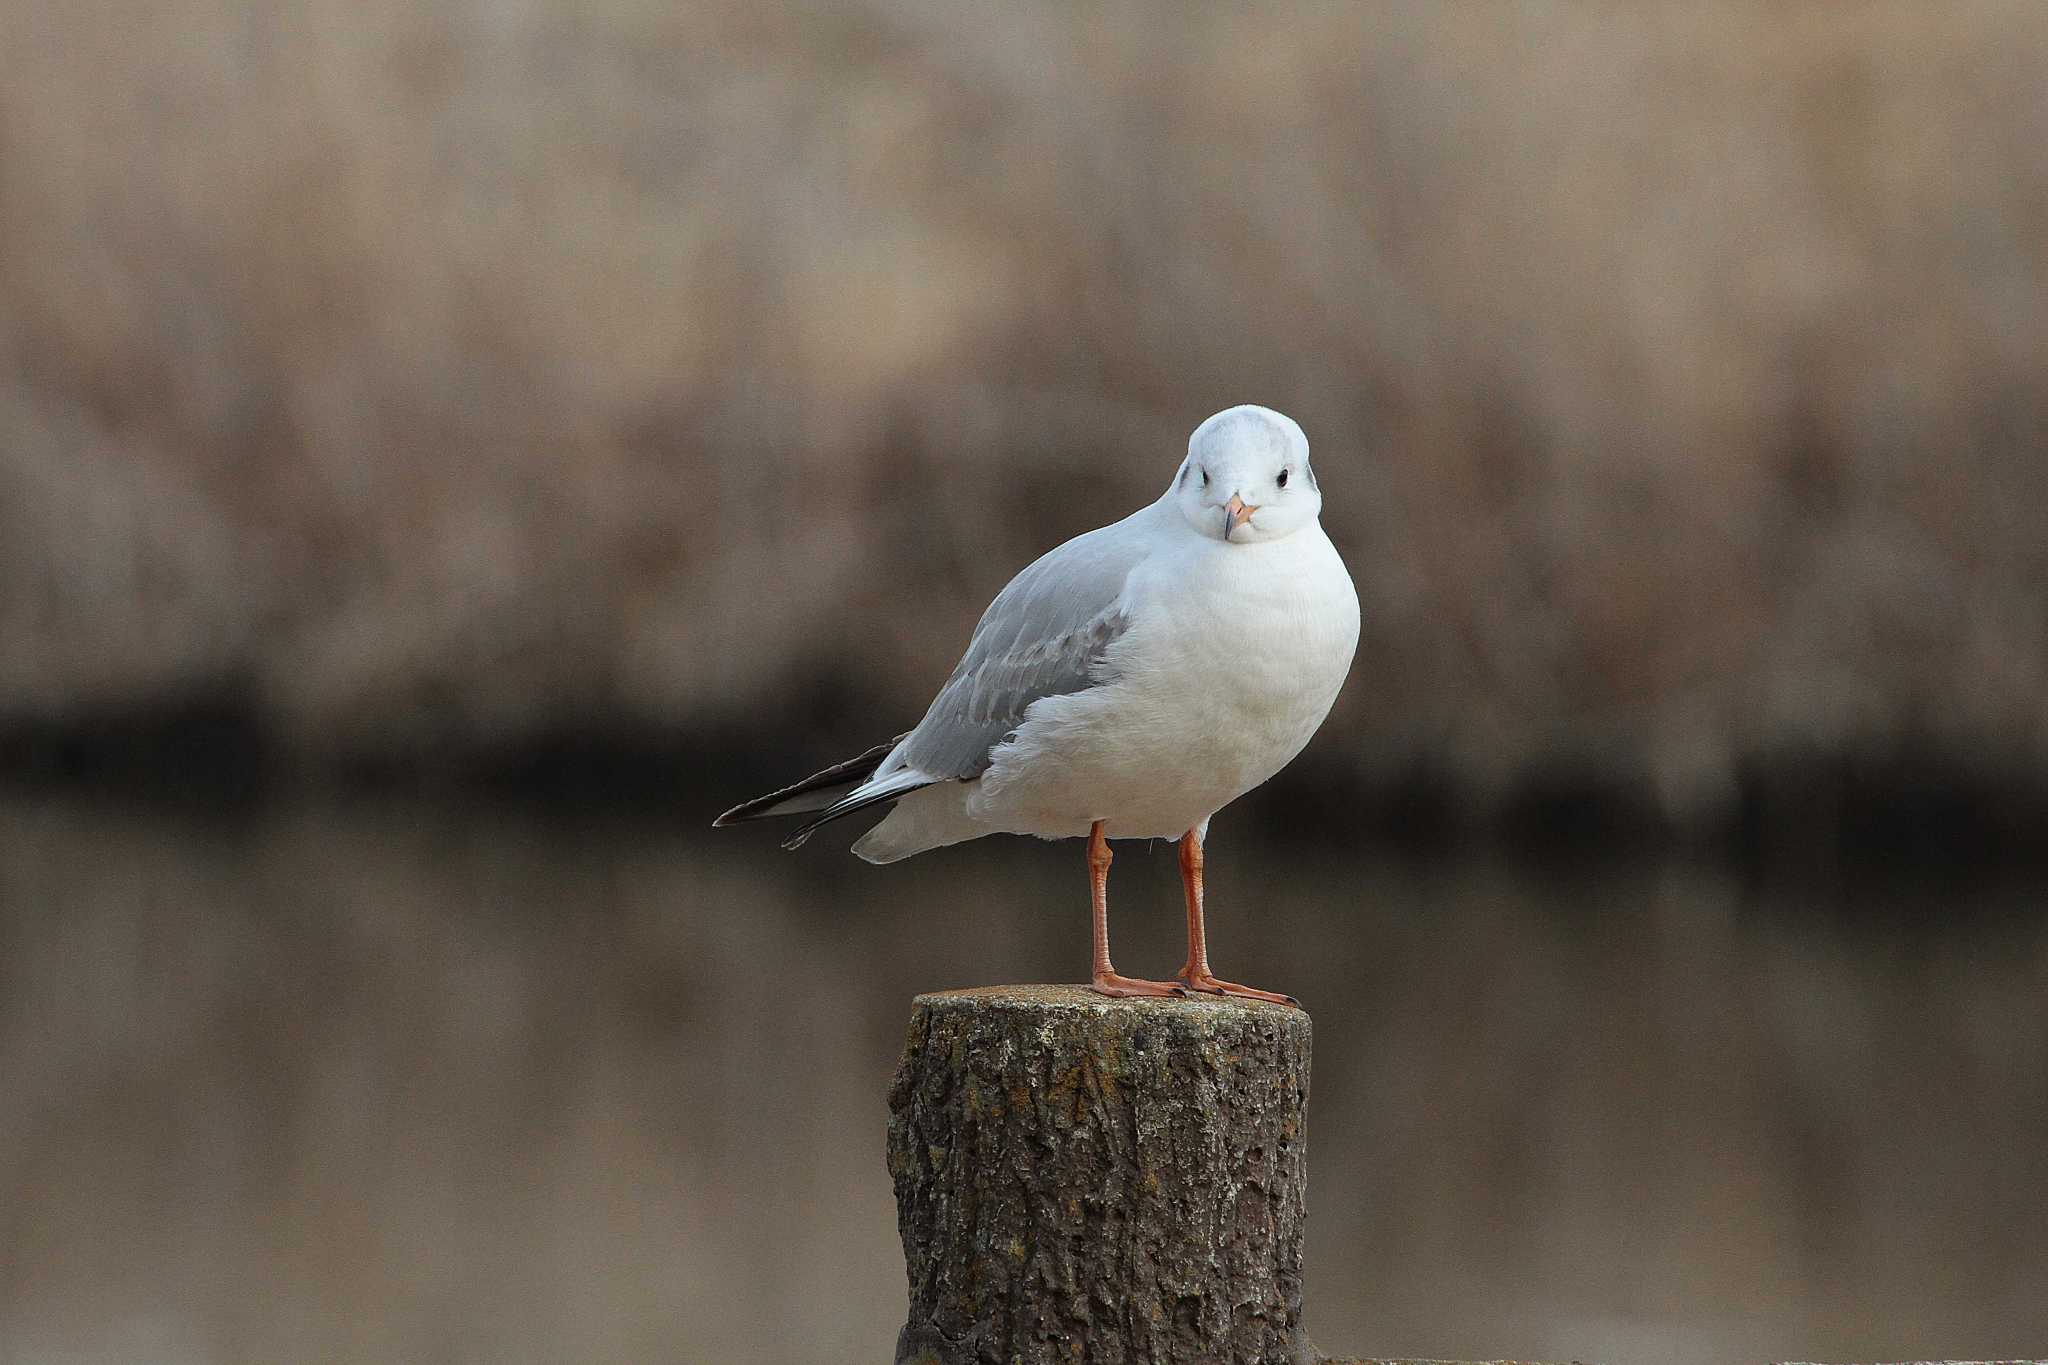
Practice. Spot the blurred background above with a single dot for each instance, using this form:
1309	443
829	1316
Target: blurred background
449	451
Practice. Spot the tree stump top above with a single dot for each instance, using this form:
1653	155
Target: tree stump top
1052	997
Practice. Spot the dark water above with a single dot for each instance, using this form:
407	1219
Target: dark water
403	1084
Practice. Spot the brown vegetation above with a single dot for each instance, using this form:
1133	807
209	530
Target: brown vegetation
447	375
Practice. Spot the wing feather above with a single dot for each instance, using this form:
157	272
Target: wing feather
815	792
1045	635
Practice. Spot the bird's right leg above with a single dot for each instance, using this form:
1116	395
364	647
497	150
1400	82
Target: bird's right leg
1106	981
1196	976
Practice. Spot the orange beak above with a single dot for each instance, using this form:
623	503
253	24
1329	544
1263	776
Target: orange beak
1235	514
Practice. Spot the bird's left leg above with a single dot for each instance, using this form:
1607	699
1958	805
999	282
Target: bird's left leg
1196	975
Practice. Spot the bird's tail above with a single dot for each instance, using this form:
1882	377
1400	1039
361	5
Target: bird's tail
839	790
900	783
929	819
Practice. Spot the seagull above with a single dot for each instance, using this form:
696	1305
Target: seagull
1127	685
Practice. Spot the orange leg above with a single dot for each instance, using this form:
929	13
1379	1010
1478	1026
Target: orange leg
1106	981
1196	974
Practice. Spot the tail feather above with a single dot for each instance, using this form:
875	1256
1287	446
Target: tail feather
897	784
815	793
923	820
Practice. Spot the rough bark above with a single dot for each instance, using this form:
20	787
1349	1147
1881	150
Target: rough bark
1081	1179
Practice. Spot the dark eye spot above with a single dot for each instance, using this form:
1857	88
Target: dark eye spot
1283	478
1205	478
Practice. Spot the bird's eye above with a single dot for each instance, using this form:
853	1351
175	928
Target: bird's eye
1283	478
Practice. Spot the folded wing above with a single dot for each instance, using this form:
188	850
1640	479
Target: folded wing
1046	635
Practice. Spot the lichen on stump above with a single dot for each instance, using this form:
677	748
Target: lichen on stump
1108	1181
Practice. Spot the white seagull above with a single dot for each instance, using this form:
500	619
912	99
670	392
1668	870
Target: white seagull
1127	685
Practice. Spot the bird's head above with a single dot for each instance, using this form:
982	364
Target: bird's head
1247	477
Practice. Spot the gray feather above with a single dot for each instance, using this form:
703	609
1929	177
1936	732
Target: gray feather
1045	635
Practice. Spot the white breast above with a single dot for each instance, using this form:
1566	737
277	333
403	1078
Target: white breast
1234	656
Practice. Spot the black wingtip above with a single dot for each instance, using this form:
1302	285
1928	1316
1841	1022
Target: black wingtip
732	817
849	774
756	809
841	809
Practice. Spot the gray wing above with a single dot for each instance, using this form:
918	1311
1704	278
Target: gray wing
1043	636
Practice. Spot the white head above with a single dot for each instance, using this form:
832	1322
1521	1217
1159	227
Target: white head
1247	478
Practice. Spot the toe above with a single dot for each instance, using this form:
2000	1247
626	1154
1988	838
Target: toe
1118	987
1214	986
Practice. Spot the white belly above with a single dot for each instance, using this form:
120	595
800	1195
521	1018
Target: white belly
1219	683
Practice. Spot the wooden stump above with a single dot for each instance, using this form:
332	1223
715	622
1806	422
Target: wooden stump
1109	1181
